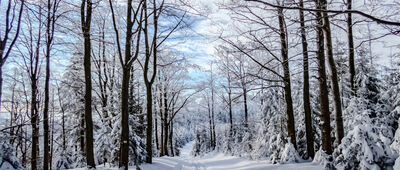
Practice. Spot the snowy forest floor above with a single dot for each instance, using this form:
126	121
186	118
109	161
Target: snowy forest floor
215	161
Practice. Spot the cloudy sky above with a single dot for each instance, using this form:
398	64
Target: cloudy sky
214	21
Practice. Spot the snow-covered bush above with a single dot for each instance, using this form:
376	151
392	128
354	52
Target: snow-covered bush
242	140
289	154
63	161
369	125
324	159
202	143
393	96
276	147
7	159
364	147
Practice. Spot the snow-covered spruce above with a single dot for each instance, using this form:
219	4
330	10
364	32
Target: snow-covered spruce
8	161
364	147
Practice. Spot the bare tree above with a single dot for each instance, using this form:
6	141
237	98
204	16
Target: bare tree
334	75
126	71
30	50
86	18
9	23
224	65
52	7
150	45
257	43
306	85
373	18
350	37
323	88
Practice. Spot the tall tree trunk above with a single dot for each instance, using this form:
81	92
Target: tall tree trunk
12	117
34	67
335	82
34	123
46	148
64	146
161	119
162	137
156	131
124	146
149	82
24	150
210	121
213	127
165	122
86	16
149	130
286	77
126	72
351	47
52	136
323	88
246	112
306	86
212	109
230	113
171	128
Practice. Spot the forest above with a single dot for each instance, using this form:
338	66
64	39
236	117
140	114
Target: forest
199	84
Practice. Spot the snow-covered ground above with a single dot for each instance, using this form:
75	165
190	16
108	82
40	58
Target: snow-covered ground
216	161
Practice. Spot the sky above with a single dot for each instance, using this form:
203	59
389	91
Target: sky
215	21
211	22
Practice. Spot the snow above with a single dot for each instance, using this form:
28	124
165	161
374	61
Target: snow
215	161
290	154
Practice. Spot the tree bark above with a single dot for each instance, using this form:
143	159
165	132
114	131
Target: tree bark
34	69
306	86
171	128
126	72
124	146
246	112
50	33
213	144
334	78
161	119
230	110
351	48
162	137
213	120
286	78
165	122
52	136
149	130
323	88
46	147
149	82
86	16
210	121
34	123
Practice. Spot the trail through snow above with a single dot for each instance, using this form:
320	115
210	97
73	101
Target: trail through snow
219	161
215	161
